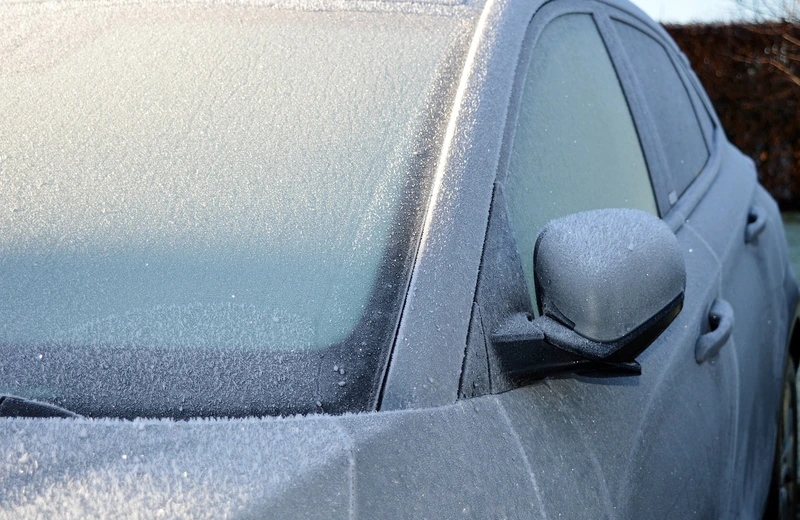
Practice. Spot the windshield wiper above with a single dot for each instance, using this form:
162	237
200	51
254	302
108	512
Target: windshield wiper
13	406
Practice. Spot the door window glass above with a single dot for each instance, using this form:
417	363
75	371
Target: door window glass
575	145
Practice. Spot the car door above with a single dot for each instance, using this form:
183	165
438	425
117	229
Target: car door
740	223
578	138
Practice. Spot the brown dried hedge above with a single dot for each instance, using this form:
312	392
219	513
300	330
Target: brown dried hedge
751	74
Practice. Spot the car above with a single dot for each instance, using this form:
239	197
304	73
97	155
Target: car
391	259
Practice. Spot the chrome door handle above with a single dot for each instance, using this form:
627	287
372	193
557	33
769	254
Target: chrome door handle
720	317
756	222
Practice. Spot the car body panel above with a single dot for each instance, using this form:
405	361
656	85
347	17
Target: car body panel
753	281
644	438
633	440
684	439
463	460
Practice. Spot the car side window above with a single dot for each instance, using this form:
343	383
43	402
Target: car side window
670	106
575	145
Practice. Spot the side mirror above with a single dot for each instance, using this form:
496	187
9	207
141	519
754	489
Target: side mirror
608	282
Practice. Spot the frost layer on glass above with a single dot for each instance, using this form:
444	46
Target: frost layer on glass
575	144
669	104
189	178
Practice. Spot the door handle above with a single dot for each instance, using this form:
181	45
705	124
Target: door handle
756	222
720	318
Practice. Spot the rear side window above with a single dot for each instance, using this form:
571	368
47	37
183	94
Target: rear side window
670	106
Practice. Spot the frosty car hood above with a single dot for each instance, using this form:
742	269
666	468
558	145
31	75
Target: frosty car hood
464	460
374	465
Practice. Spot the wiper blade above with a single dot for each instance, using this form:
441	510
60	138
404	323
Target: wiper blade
13	406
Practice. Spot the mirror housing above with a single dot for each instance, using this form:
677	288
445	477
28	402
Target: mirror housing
608	282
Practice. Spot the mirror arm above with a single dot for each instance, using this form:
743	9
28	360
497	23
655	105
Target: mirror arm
534	349
531	350
622	350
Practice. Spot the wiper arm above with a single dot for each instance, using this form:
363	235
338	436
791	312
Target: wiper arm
13	406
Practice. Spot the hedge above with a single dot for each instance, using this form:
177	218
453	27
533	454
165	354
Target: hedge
751	74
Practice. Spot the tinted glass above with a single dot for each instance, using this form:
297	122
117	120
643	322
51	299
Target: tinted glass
669	104
220	189
575	146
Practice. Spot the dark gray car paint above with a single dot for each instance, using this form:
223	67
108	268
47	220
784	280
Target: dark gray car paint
753	280
657	445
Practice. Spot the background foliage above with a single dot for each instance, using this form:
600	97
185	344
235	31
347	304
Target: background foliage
752	75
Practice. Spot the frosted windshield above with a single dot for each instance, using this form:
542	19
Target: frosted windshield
186	178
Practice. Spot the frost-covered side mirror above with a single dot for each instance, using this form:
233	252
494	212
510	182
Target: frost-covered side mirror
608	283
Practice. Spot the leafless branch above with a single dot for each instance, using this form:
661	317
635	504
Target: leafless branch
791	39
786	70
788	10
